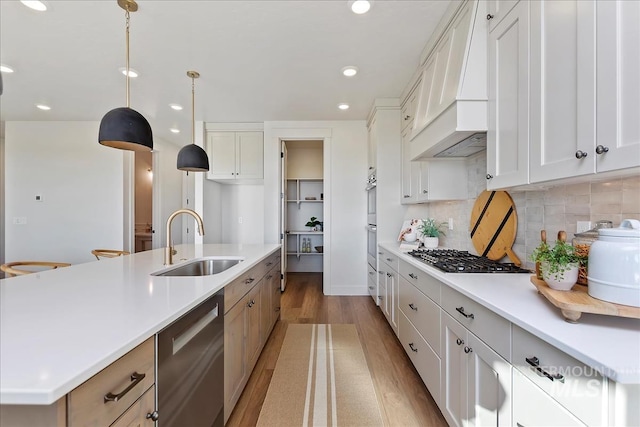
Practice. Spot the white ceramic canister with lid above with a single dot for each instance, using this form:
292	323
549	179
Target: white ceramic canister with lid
614	264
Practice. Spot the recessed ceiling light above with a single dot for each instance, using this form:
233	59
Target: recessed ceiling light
174	130
132	73
5	69
360	6
176	107
343	106
43	107
350	71
35	5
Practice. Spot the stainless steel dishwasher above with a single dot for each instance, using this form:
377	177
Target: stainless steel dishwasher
190	378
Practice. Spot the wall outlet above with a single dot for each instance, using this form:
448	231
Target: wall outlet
450	223
19	220
582	226
39	197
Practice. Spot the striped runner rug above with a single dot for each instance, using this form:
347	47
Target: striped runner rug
321	379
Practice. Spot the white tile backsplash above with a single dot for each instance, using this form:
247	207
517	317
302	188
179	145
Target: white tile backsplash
553	209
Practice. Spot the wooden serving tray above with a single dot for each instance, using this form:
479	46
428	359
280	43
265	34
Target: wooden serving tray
577	301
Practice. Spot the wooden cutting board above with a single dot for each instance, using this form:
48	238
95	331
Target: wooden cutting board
577	301
494	223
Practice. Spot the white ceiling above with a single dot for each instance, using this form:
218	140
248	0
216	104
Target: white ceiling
258	60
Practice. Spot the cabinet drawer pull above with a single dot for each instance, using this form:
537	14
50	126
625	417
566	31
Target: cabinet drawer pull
135	379
601	149
461	311
467	349
269	277
153	416
581	154
269	264
413	307
389	275
412	347
249	280
459	341
371	287
413	276
489	176
406	196
390	259
371	273
535	363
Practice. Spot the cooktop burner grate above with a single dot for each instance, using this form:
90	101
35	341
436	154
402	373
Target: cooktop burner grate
454	261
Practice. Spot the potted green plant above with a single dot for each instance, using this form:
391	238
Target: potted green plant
559	264
314	224
430	231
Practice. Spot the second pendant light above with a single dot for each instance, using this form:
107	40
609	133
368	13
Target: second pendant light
192	158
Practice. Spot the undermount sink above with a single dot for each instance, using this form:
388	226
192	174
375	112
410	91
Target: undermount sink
200	267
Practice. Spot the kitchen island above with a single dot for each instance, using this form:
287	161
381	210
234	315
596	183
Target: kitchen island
59	328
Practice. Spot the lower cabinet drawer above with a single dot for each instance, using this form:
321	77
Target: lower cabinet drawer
425	360
491	328
423	313
104	397
577	387
427	284
533	407
137	414
237	289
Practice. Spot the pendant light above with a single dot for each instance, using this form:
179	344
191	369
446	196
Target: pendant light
123	127
192	158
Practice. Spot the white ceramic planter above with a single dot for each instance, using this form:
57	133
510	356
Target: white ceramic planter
430	242
560	281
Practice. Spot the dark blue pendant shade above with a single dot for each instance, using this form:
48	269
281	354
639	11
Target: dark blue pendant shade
126	129
193	158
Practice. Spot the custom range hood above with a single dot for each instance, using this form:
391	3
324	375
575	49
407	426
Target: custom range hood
451	112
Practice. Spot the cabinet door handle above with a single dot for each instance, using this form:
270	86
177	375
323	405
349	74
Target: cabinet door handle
424	191
413	307
389	259
601	149
371	273
389	275
269	264
461	311
371	287
406	196
581	154
459	341
413	276
268	277
407	117
153	416
535	363
249	280
489	17
412	347
135	379
467	349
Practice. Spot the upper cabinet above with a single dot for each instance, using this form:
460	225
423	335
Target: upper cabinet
235	157
564	93
618	85
508	133
563	97
451	102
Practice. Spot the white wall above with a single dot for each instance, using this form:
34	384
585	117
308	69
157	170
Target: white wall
2	203
345	171
242	203
143	189
80	181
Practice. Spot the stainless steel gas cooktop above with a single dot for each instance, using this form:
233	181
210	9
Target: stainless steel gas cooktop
454	261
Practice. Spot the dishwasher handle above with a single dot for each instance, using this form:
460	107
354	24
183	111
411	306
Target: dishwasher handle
184	338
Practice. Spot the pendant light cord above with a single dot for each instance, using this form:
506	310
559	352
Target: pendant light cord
193	110
127	50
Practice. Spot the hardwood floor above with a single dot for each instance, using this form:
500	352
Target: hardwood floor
404	400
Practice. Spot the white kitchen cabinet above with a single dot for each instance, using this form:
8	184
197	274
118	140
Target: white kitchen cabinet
388	270
476	381
508	114
497	10
575	386
372	144
235	156
618	85
563	96
410	171
443	179
533	407
408	107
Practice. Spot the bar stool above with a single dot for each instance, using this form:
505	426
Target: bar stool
108	253
32	267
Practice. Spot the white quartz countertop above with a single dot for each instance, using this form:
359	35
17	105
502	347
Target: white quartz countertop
60	327
609	344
